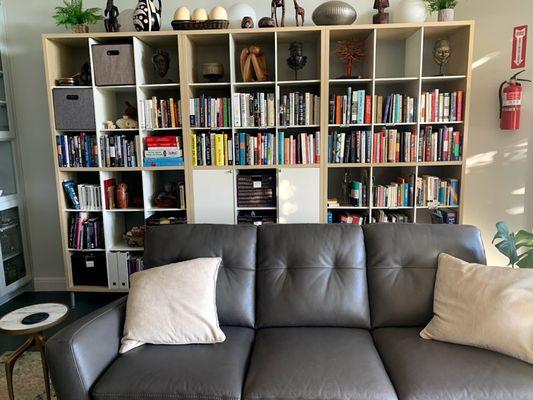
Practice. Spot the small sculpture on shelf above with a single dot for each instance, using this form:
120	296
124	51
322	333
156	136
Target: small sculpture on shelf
350	52
85	75
381	17
253	64
168	198
247	23
127	122
161	63
442	52
274	5
296	60
299	11
266	22
111	14
109	125
135	236
213	72
122	196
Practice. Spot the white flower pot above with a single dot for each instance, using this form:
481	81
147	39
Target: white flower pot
446	15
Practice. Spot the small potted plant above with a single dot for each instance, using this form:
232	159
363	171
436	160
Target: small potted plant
445	8
73	16
516	246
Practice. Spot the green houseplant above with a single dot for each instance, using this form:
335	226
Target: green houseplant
72	15
445	8
516	246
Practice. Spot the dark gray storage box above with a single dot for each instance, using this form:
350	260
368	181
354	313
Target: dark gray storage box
113	64
74	109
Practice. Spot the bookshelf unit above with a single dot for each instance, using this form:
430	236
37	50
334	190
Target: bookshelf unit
398	59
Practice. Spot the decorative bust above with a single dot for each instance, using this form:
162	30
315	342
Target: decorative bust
381	17
161	62
297	60
442	52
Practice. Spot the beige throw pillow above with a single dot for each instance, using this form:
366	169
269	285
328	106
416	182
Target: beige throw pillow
173	304
487	307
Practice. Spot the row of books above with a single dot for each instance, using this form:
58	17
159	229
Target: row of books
297	108
444	216
85	231
162	151
158	113
399	193
437	106
212	148
254	149
253	109
354	107
210	112
389	145
439	216
395	108
444	144
79	150
349	147
299	148
83	196
394	218
119	150
434	191
256	190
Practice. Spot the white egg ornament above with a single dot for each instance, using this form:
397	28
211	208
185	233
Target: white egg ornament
218	12
199	14
182	14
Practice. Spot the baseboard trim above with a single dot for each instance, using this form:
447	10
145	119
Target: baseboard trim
52	284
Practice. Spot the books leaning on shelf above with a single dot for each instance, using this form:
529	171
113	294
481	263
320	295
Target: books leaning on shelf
210	112
394	218
254	149
444	144
77	150
163	151
432	191
110	186
355	107
253	109
396	194
350	147
395	108
297	108
298	148
82	197
437	106
443	216
119	150
212	148
157	113
85	231
391	146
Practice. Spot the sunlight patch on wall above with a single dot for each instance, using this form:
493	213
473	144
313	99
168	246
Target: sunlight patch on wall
519	192
485	59
480	160
519	210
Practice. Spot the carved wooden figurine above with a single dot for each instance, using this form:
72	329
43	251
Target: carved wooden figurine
299	11
381	17
123	200
274	5
253	64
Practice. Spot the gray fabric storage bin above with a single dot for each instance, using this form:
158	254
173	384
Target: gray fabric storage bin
113	64
74	109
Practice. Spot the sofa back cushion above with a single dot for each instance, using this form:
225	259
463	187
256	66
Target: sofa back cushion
311	275
235	244
402	265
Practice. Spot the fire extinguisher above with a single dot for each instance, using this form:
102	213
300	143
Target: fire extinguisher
510	102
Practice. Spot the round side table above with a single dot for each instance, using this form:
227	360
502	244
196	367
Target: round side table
32	321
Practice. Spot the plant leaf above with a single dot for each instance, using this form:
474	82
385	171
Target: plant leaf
508	249
502	231
523	238
526	260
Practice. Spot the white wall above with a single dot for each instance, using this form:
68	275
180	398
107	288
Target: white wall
497	185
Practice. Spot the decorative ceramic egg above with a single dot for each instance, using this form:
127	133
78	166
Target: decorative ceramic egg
218	13
182	14
199	14
238	11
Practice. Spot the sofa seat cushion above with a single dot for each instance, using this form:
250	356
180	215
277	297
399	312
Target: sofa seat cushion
203	371
428	369
316	363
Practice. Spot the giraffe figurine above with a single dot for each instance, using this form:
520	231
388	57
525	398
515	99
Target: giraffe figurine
299	10
274	5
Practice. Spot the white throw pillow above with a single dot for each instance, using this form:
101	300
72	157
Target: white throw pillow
173	304
481	306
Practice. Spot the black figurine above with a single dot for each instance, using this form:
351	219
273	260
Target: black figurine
85	75
297	60
111	17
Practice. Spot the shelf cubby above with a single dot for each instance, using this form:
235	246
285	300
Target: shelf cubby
117	224
133	180
398	53
311	48
67	56
459	39
144	50
266	41
156	183
80	178
339	187
200	49
363	70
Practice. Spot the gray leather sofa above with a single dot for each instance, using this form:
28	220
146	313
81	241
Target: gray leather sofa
310	312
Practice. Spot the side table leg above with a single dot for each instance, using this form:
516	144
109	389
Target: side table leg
10	364
40	344
72	300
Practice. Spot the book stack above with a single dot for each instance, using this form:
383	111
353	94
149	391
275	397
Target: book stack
350	147
444	216
212	148
210	112
299	148
432	191
256	190
254	149
389	145
162	151
85	231
82	196
157	113
395	218
395	108
119	150
77	150
396	194
355	107
253	109
443	144
299	109
437	106
256	217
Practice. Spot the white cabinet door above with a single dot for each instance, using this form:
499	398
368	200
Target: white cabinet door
299	195
213	196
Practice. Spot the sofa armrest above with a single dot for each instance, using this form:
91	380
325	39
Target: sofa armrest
78	354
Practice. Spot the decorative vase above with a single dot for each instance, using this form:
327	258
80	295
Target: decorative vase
446	15
410	11
334	13
147	16
80	28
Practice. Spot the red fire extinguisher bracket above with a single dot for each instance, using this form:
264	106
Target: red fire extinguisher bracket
510	97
